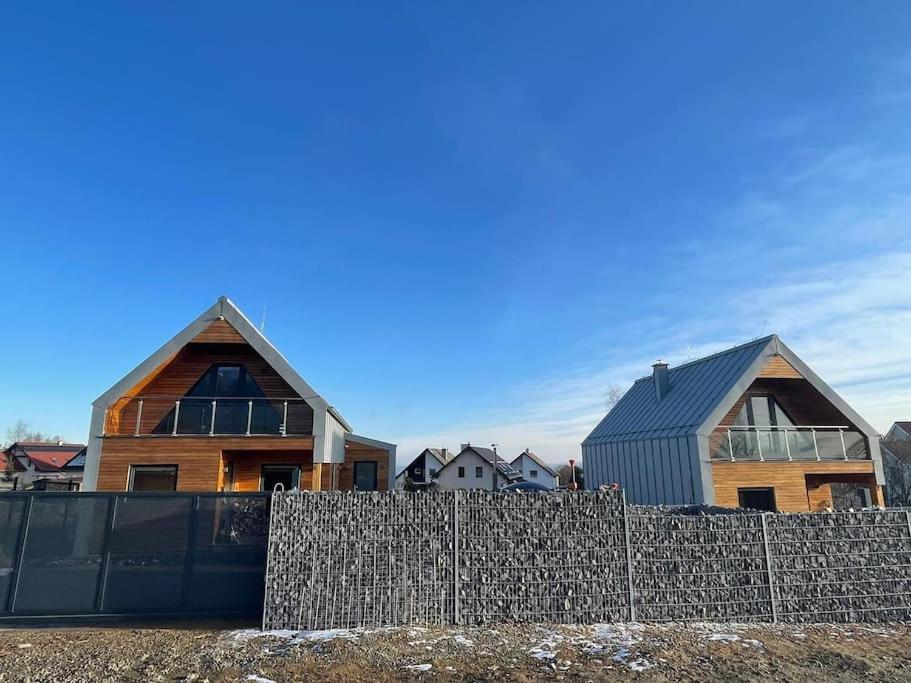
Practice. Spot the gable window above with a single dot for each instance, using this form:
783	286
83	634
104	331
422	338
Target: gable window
764	413
478	472
433	473
533	474
153	478
237	399
461	473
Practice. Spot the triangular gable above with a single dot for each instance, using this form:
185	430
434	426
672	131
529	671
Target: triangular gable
223	311
220	332
776	347
778	367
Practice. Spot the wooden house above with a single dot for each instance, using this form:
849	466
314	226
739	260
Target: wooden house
752	426
218	408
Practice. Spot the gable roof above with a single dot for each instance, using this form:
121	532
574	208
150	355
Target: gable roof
222	310
547	468
504	468
903	425
436	453
46	457
701	392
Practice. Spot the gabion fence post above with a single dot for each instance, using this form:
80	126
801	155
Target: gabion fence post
629	557
455	557
768	565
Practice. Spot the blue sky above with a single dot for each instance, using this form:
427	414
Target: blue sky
464	221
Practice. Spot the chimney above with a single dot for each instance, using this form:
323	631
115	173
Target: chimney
444	452
59	442
662	379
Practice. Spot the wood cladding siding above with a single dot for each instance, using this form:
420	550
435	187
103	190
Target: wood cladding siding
174	379
789	479
198	458
221	331
779	367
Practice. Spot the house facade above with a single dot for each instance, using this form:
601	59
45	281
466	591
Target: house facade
752	426
41	466
533	469
477	468
218	408
423	469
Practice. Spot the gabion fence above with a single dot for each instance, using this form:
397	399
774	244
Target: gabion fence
344	559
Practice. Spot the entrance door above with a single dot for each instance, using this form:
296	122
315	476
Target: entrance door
757	499
365	476
286	475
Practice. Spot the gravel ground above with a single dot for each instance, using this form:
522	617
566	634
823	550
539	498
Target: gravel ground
695	652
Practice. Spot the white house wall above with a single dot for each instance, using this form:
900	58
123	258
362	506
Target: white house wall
448	478
525	465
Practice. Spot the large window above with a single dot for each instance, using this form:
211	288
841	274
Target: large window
365	478
153	478
231	388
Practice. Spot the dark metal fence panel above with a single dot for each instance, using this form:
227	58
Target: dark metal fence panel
85	554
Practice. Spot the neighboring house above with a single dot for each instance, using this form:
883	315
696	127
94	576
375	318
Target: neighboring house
532	468
752	426
899	431
40	466
423	469
897	468
476	468
218	408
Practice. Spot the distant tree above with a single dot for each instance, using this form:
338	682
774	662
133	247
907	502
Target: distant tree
564	476
613	396
21	431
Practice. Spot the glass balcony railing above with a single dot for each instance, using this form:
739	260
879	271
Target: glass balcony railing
788	443
213	416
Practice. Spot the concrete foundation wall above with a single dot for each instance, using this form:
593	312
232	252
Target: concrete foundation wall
342	559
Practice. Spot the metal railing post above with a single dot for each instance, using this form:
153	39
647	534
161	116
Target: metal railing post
138	418
176	416
285	419
768	564
104	423
629	558
731	445
759	446
455	557
844	451
815	445
20	552
249	416
212	421
787	445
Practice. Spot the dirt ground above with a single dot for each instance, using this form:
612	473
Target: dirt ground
695	652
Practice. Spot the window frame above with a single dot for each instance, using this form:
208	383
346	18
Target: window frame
147	467
479	472
771	403
460	472
533	474
297	470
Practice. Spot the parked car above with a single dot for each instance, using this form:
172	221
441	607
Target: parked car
525	487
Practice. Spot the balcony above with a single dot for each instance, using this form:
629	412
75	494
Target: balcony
209	416
788	444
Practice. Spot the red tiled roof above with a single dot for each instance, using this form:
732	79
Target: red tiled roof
48	457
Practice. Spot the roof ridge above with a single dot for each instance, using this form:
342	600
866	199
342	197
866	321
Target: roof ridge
732	349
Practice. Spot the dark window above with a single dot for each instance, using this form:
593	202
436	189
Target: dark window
850	496
461	473
533	474
757	499
365	476
153	477
286	475
232	389
433	473
478	472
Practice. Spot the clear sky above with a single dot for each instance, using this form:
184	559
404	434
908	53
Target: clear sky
463	221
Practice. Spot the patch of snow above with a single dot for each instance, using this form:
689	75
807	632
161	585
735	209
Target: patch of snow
22	646
258	679
462	640
419	667
640	664
297	637
539	653
726	637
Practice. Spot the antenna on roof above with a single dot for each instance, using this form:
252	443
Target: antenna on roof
262	324
762	329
